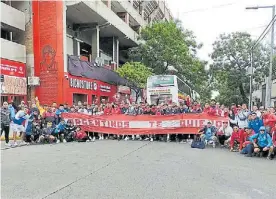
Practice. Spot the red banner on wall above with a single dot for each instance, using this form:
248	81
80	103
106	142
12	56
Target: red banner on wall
143	124
12	68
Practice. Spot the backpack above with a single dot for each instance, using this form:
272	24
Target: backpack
198	143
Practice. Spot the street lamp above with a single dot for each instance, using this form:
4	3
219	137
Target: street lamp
269	78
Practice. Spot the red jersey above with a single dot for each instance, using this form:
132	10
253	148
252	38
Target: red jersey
274	136
158	113
244	138
115	111
107	111
235	137
269	120
213	111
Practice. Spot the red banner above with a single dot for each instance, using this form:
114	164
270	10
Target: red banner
143	124
12	68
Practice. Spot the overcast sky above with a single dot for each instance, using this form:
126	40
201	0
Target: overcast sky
209	18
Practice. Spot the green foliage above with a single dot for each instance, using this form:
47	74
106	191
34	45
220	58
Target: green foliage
135	72
231	61
165	44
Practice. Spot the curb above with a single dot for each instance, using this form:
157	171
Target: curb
10	138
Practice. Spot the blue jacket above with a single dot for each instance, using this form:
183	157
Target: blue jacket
12	110
19	118
209	132
59	128
256	124
262	139
29	125
58	111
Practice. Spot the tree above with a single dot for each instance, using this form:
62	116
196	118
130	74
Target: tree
231	60
165	44
137	74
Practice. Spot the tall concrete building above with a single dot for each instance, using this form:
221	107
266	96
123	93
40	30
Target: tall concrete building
14	20
63	47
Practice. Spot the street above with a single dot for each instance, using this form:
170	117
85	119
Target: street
133	169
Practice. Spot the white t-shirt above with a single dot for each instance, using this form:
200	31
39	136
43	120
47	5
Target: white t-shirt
226	131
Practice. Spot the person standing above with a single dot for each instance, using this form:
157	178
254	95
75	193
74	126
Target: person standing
17	124
242	116
255	123
5	121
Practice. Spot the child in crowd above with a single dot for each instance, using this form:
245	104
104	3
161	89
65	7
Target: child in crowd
69	131
59	131
46	136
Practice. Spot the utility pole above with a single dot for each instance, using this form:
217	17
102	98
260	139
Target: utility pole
269	77
251	79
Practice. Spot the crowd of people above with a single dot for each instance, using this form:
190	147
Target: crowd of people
252	132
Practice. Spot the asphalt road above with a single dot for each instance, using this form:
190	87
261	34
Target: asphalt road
133	170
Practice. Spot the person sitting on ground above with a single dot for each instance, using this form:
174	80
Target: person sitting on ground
59	132
29	128
255	123
235	137
36	131
261	143
46	134
69	131
208	134
81	136
224	133
244	139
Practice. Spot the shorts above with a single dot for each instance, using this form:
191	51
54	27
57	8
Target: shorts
17	128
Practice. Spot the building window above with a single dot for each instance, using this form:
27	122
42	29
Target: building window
5	35
79	98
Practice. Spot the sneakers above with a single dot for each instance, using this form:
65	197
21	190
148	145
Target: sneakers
126	138
58	141
93	140
64	141
15	144
269	157
151	139
23	143
8	144
146	139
